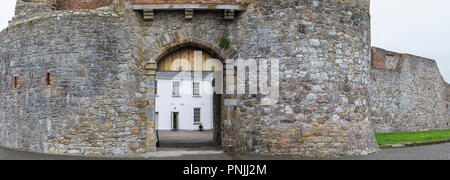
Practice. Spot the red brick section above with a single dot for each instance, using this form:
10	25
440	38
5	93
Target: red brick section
185	1
93	4
82	4
379	57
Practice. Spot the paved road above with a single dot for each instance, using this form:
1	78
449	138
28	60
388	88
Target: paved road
433	152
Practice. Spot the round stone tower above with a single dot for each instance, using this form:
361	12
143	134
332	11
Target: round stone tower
81	80
324	52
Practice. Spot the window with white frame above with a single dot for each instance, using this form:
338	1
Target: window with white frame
176	88
196	88
197	115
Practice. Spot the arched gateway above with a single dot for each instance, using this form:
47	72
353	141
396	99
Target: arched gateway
185	102
82	81
178	45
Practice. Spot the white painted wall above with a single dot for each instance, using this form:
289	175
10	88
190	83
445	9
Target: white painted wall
184	105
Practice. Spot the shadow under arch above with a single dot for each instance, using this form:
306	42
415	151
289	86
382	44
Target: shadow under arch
206	46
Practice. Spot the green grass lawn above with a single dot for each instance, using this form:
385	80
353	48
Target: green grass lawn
412	137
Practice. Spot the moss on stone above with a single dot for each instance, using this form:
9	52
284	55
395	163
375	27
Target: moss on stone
224	43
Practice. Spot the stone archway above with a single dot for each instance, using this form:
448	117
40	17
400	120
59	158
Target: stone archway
214	51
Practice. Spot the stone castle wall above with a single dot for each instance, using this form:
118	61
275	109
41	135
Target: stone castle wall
102	66
407	93
95	104
82	81
77	4
448	101
187	1
324	50
30	8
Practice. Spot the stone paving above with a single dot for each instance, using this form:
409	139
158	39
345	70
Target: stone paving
187	140
182	137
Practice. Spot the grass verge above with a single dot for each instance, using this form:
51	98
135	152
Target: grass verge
412	137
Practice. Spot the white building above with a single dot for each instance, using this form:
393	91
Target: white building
184	102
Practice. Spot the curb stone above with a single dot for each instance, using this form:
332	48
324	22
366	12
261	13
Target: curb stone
395	146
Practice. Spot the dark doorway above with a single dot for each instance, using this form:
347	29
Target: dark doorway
175	121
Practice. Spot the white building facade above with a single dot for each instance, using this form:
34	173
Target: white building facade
184	102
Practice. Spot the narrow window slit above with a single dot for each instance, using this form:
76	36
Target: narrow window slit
48	79
15	82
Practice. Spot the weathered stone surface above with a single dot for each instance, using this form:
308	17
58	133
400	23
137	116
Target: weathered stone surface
323	64
448	102
103	63
92	107
407	93
77	4
187	1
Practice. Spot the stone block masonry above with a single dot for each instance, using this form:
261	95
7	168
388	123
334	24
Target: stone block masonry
407	93
324	49
102	63
78	77
85	4
187	1
448	101
96	102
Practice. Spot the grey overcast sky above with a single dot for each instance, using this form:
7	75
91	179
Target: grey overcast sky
419	27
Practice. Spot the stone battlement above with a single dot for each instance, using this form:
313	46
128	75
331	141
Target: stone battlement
407	93
81	4
93	4
187	1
